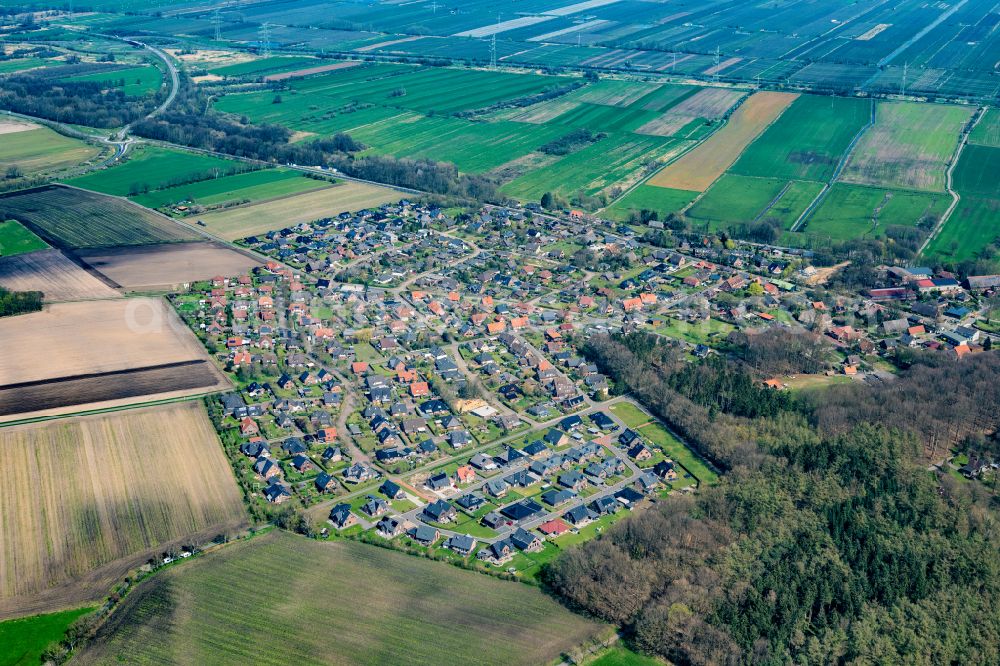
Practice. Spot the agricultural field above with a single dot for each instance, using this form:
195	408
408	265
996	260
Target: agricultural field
34	149
987	130
908	147
168	266
663	200
970	229
736	198
699	168
258	66
88	498
199	612
15	239
807	141
691	116
73	219
51	273
228	190
151	169
243	221
614	160
848	211
977	172
134	81
110	352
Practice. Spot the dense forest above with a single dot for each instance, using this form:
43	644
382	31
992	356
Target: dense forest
19	302
828	540
89	103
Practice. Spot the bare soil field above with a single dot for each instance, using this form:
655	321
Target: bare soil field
79	340
710	103
908	147
46	396
10	126
87	499
702	166
311	70
50	272
164	267
243	221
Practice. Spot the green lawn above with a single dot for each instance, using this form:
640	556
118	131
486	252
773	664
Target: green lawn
23	641
42	149
16	239
700	333
976	172
622	656
335	601
630	415
678	452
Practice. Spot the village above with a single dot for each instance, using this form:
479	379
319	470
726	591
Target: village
415	376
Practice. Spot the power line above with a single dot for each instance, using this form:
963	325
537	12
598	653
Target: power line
264	35
217	22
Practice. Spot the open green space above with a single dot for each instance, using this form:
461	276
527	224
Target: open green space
970	229
594	168
663	200
402	609
134	81
16	239
848	211
41	149
978	172
630	415
703	332
678	452
792	203
622	656
807	141
735	199
23	641
987	130
241	187
153	168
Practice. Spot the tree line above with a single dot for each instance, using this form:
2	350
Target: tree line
827	541
19	302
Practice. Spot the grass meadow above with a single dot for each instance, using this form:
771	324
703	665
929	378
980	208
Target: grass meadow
41	149
848	210
15	238
23	641
649	197
249	186
152	168
971	227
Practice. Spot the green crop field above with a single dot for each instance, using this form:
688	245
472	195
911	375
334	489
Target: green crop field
153	168
134	81
978	172
241	187
604	118
848	210
23	641
598	166
908	147
807	140
734	199
787	209
41	149
16	239
71	218
987	130
971	227
649	197
281	599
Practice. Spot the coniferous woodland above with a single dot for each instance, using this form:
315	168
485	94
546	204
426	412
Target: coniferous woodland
828	540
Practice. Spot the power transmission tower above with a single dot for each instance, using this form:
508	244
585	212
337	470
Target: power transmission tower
673	65
217	22
906	67
493	45
434	7
264	36
715	69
